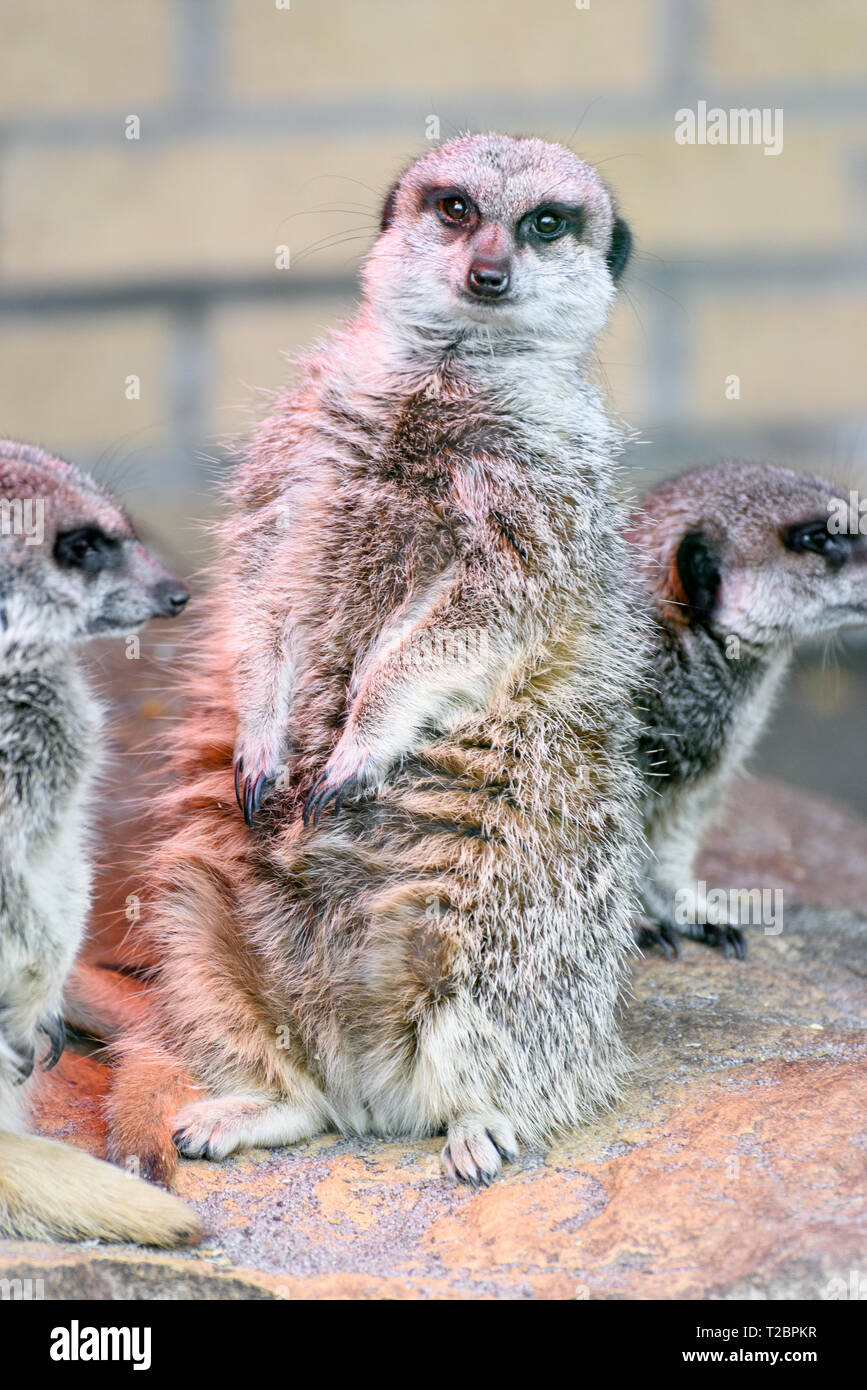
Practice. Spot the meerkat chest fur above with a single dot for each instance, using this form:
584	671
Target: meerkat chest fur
703	717
51	725
460	484
387	495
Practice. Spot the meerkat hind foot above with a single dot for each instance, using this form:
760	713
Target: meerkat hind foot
475	1148
726	938
220	1125
649	934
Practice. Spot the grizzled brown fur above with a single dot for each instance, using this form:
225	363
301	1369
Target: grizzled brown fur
437	943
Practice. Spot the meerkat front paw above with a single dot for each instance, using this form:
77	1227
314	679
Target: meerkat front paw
475	1148
351	769
259	770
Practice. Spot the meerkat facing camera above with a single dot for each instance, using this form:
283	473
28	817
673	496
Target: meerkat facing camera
422	926
740	562
71	569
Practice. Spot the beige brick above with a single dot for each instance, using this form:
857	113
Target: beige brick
699	199
63	382
249	346
439	51
797	357
191	208
223	206
84	54
785	40
621	362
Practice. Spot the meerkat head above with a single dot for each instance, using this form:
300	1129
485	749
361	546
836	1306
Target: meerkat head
761	553
501	236
71	566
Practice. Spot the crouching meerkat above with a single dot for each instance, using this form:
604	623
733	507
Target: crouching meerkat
740	563
416	672
70	569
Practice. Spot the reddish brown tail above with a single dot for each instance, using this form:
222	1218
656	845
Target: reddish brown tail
149	1087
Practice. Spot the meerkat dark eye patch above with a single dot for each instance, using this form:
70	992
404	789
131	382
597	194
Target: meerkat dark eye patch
698	569
86	548
620	249
550	222
813	537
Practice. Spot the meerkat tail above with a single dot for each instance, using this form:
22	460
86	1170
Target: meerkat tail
49	1191
102	1002
149	1089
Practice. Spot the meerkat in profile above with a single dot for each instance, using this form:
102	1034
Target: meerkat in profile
70	569
741	562
416	670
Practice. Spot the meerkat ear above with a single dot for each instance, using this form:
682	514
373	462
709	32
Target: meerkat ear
620	250
388	207
697	564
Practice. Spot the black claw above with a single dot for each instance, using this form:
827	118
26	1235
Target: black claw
250	792
312	799
507	1154
55	1031
320	797
730	940
253	793
658	938
659	934
326	796
669	938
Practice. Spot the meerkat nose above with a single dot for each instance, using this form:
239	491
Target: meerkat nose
488	279
171	597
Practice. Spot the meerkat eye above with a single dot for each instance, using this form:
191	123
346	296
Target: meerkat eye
86	548
548	225
455	209
814	537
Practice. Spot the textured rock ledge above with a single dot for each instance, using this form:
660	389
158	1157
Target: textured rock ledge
734	1166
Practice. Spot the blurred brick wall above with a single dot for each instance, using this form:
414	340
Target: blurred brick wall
262	126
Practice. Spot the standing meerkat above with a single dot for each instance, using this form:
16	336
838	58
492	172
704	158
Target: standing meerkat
70	569
741	562
417	663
